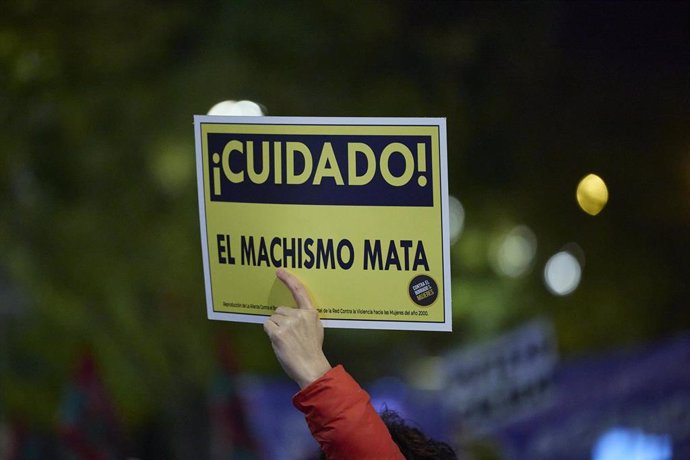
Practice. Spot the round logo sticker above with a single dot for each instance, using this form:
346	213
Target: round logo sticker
423	290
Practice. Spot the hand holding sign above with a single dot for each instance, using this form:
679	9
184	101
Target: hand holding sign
297	335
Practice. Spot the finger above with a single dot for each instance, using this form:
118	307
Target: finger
270	327
299	292
283	320
284	311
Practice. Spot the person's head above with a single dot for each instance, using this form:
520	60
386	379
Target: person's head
412	442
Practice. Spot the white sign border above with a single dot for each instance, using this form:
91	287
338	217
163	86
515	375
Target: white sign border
446	326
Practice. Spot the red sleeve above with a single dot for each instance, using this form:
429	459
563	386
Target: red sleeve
342	419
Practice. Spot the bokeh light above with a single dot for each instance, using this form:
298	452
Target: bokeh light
562	273
513	254
632	444
592	194
456	218
237	108
171	165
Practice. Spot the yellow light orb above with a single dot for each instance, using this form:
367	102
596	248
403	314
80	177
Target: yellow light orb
592	194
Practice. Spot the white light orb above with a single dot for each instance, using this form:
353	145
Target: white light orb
515	252
237	108
456	218
562	273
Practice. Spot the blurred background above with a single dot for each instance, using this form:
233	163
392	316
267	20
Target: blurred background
571	301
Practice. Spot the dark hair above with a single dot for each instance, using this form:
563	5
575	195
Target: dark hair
414	444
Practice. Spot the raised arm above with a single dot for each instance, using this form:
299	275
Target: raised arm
338	411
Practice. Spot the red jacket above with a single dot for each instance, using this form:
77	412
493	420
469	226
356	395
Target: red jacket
342	419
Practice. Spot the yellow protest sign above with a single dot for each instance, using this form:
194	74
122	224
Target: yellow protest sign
355	207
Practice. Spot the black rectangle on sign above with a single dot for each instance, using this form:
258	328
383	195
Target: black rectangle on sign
361	170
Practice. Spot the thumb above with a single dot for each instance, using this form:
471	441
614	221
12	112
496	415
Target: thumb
299	292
